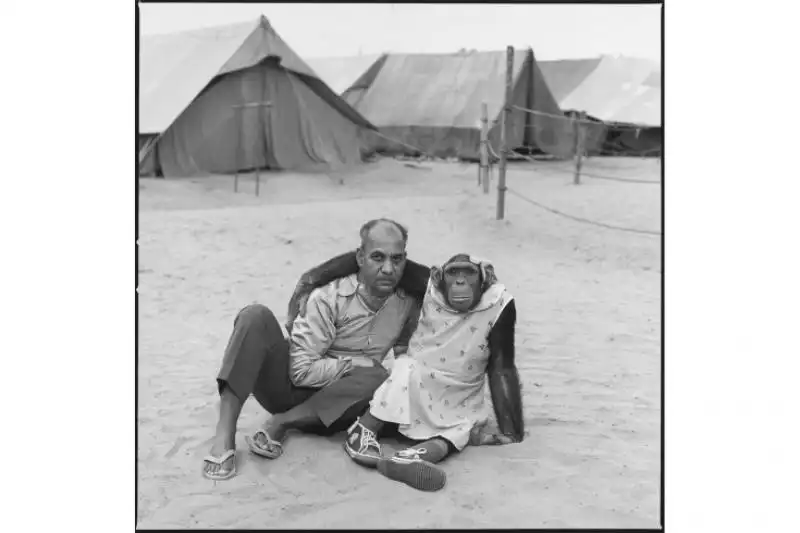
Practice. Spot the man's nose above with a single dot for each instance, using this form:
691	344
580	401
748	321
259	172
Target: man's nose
387	267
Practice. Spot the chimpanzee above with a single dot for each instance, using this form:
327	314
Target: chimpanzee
435	393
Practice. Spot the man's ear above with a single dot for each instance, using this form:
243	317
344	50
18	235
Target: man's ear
360	257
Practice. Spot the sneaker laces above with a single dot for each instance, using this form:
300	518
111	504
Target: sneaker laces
368	438
411	453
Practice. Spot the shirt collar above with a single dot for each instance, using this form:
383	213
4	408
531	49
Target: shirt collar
348	286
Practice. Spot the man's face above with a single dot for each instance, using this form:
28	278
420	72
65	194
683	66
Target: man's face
381	260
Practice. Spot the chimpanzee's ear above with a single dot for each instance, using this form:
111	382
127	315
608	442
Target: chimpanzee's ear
488	276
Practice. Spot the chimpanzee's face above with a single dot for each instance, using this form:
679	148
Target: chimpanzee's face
461	285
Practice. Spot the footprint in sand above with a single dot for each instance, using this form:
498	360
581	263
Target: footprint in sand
179	442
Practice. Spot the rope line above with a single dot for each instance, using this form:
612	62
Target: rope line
493	154
580	219
588	175
571	119
551	115
611	178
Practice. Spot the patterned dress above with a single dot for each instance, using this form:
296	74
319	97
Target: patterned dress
438	388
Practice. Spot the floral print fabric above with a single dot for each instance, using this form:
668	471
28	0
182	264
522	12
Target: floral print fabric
437	389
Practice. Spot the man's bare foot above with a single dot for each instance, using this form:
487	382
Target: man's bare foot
268	441
224	469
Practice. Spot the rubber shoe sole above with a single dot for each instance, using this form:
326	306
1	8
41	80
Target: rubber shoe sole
420	475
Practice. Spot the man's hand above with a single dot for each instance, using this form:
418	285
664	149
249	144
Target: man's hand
482	435
364	362
356	363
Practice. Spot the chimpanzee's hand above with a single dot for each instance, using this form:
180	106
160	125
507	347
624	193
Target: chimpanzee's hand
297	304
483	435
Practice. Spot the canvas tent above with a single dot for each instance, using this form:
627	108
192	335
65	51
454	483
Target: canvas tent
190	83
340	72
623	92
432	102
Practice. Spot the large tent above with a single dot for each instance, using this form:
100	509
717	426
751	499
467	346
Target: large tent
623	92
431	103
194	88
340	72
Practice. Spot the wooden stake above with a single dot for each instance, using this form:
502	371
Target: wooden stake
501	180
579	128
260	149
238	113
484	176
237	118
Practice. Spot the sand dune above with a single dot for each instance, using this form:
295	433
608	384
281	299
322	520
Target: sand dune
588	345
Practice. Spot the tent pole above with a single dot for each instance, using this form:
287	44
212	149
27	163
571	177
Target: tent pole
484	168
579	137
501	181
263	107
260	150
237	118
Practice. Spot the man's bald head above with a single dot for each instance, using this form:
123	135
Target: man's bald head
382	255
382	229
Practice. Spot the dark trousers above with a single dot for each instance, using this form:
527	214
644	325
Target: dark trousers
256	362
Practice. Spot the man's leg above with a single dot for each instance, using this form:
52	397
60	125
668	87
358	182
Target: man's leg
257	362
257	338
326	410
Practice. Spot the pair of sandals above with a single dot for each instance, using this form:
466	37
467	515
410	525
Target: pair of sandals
271	450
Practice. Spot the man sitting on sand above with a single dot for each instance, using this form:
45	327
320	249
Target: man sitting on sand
324	375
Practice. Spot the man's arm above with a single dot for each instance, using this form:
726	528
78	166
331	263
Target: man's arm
414	281
504	381
311	337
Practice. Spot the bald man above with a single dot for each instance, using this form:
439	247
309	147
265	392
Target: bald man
323	376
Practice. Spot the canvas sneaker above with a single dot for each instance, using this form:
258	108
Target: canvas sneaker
362	445
409	467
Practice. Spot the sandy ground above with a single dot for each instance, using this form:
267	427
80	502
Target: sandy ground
588	345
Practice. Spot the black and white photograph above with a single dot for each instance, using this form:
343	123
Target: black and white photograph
399	257
399	266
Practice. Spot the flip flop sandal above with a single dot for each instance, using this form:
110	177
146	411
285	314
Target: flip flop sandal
274	448
219	461
415	473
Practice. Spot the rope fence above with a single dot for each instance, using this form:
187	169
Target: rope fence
494	155
582	120
580	219
595	176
